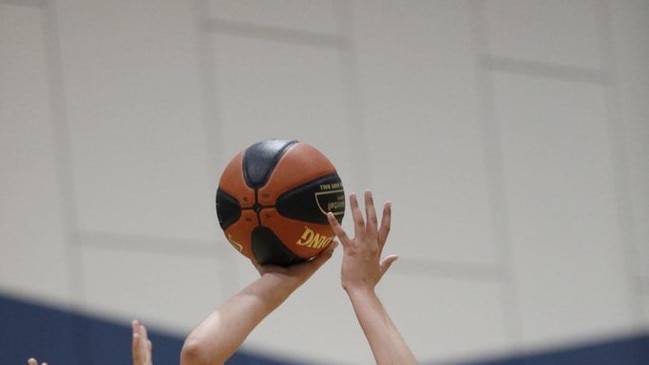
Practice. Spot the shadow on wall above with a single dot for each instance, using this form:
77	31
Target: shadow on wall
60	337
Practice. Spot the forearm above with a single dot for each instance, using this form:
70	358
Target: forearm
387	344
220	335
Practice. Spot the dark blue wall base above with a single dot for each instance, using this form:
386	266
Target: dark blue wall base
631	350
64	338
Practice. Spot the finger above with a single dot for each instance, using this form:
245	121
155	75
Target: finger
386	221
370	212
32	361
357	215
387	263
136	350
140	343
135	344
144	333
305	269
338	229
135	326
325	255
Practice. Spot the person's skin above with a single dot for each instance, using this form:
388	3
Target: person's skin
33	361
362	269
141	346
217	338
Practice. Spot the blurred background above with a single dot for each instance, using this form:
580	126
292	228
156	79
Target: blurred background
512	138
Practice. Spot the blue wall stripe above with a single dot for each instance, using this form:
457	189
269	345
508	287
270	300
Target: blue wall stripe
631	350
28	329
60	337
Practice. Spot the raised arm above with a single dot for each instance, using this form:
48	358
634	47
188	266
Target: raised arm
217	338
361	271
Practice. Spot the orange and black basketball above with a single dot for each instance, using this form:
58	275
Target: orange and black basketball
273	198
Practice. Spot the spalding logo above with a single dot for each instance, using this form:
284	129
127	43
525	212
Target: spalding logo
312	239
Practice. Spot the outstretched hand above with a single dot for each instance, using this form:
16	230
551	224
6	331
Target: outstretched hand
362	267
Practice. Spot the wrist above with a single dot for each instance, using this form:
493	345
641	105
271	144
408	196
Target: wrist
275	286
359	291
267	291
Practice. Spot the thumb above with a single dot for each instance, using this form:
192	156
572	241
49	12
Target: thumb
386	263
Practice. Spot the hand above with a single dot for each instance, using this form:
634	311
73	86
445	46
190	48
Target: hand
362	267
33	361
295	275
141	345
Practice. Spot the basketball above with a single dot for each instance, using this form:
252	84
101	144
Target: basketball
273	198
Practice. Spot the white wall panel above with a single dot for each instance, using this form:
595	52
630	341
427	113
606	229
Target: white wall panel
168	291
278	90
554	31
422	126
630	41
568	257
134	108
33	248
445	319
302	15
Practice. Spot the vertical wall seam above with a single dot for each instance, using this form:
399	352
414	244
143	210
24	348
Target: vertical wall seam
352	94
212	126
616	134
494	173
65	176
63	153
209	95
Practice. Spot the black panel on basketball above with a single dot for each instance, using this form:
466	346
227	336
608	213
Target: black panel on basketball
260	159
227	208
310	202
269	249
